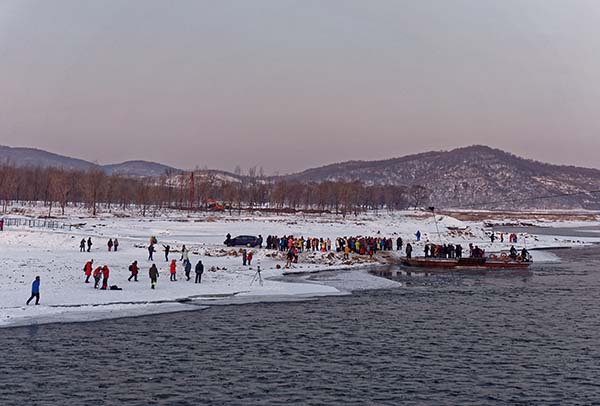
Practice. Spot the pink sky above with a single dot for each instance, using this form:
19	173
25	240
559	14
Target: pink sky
288	85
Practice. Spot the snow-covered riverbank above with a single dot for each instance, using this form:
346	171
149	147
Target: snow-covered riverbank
54	256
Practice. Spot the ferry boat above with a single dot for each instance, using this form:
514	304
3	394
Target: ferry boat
501	261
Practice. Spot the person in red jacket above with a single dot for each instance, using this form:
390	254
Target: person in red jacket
173	270
97	275
249	256
105	273
133	268
87	269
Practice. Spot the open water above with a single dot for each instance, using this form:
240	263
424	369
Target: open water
496	338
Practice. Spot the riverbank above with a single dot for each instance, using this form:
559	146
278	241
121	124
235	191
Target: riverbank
54	256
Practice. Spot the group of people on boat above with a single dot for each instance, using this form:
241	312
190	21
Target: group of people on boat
443	251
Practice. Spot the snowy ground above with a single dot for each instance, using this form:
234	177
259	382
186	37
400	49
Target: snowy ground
54	256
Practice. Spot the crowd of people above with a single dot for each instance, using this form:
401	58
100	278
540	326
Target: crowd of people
101	274
293	246
358	245
443	250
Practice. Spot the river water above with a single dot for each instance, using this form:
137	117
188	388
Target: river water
496	338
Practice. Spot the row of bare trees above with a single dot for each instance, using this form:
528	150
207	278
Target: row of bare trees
94	189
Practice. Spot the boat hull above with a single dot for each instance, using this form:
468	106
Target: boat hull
464	263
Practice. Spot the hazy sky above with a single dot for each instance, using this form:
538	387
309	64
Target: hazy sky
290	84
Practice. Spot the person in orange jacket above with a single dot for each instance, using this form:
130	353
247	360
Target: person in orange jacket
173	270
97	275
105	273
87	269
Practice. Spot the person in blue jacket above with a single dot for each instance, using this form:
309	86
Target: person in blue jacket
35	291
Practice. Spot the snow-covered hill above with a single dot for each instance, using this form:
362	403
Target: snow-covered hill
473	177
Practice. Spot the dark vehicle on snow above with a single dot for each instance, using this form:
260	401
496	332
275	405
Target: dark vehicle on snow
245	240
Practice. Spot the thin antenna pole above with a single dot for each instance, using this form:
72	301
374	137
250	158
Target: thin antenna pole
436	224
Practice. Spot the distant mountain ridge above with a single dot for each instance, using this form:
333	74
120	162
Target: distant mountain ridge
475	177
22	157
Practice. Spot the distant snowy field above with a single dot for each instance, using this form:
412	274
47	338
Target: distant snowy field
54	256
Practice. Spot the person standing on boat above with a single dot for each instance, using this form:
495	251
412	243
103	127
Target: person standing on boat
409	250
426	250
525	255
458	251
513	252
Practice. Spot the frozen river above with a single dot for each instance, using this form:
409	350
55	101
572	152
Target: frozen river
473	338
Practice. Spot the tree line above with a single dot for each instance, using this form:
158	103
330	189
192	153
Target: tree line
204	190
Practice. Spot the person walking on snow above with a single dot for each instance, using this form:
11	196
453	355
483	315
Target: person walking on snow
105	273
87	269
89	244
116	244
35	291
151	251
167	250
97	275
153	272
173	271
110	244
199	271
187	268
133	268
244	257
418	235
249	257
82	245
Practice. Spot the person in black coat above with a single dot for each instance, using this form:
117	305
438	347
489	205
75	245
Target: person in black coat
199	271
187	268
399	243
